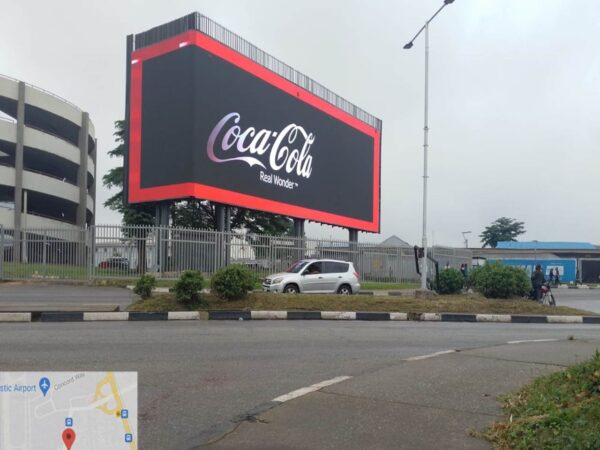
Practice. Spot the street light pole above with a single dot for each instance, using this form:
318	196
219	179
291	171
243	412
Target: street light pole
426	139
425	148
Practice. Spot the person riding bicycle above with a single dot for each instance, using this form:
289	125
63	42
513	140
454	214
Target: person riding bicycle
537	280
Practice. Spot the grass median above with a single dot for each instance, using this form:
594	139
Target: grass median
557	411
260	301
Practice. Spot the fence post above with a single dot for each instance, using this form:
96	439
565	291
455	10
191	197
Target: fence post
398	266
45	254
271	255
158	242
91	245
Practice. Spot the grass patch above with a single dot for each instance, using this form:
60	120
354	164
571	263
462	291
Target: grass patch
35	270
158	302
260	301
558	411
377	286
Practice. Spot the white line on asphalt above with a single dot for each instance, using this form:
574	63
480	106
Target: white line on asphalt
431	355
531	340
307	390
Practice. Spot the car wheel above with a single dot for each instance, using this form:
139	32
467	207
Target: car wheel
344	289
291	289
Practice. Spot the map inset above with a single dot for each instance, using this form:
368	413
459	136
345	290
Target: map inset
68	410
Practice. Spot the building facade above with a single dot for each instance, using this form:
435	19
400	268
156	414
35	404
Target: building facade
575	261
47	160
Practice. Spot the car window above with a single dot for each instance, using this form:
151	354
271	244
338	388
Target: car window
342	267
334	267
314	268
297	267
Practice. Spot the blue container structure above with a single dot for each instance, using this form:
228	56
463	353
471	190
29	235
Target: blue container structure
567	268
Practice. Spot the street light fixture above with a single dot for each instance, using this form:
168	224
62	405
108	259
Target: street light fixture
466	238
425	136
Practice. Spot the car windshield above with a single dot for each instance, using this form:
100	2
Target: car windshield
297	267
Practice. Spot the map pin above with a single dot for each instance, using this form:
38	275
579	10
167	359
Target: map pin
68	438
44	385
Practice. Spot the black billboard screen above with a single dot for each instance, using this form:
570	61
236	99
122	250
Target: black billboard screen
206	122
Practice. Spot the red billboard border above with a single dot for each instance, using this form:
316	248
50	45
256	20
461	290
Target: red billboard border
137	194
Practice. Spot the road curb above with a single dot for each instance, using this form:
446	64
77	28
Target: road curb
135	316
15	317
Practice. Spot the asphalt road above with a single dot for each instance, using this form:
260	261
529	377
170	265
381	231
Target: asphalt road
196	377
18	296
586	299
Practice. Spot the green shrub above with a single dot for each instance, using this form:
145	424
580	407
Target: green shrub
450	281
474	277
187	288
143	287
233	282
497	280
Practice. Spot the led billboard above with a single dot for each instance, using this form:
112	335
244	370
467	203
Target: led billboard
207	122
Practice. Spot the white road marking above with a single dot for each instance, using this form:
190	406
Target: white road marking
531	340
431	355
307	390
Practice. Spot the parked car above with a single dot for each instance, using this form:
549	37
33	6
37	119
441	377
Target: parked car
315	276
115	262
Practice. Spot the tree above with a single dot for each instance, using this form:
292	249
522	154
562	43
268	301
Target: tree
502	229
142	214
202	214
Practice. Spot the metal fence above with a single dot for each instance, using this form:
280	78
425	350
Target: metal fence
115	251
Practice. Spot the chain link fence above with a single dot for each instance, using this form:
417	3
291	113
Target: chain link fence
115	251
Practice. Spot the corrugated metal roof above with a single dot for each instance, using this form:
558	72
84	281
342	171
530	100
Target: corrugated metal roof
394	241
531	245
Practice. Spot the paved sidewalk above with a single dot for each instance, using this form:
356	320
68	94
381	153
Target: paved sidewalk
416	404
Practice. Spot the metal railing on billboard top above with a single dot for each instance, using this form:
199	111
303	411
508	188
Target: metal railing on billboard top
126	252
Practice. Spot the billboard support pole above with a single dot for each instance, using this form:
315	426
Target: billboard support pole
227	234
353	241
162	224
299	235
299	228
220	225
220	217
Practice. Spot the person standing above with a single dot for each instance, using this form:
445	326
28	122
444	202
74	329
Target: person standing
537	280
550	275
556	276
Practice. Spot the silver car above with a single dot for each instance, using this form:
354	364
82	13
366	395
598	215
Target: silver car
322	276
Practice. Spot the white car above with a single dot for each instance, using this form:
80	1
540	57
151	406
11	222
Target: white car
315	276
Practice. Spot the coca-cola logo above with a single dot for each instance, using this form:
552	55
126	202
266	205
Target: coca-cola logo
288	149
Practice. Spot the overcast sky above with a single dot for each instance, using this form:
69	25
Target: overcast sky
514	94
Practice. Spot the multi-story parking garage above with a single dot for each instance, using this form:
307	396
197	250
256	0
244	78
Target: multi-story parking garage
47	160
